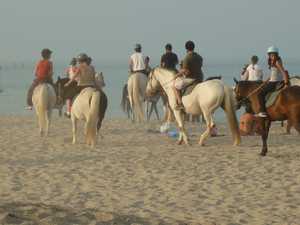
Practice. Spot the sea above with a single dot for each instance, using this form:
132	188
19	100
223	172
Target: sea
15	78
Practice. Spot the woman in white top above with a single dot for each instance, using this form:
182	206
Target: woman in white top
253	71
278	75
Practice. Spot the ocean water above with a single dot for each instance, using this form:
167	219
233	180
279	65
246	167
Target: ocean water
15	80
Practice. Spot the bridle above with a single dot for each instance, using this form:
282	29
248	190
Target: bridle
153	77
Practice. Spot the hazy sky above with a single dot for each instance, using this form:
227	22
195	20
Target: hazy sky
107	29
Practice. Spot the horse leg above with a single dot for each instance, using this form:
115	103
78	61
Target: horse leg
265	124
183	138
74	128
156	111
209	125
288	127
48	121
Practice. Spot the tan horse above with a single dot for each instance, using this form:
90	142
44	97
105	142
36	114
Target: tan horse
136	84
86	107
44	99
205	98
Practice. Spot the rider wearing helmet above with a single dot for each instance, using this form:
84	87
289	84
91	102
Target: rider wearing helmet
278	75
85	74
137	60
43	74
190	72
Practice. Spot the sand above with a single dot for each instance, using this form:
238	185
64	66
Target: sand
136	175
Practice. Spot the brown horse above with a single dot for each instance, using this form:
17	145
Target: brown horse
285	107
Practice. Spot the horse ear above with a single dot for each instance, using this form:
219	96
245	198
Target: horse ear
58	78
235	80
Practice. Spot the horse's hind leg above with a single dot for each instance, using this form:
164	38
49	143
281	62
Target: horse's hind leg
209	125
155	109
74	128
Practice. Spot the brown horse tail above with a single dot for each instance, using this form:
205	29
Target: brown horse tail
102	108
124	101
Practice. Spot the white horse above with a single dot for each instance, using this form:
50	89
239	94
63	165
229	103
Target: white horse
205	98
136	84
44	99
86	107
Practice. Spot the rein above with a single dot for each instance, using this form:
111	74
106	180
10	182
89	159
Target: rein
253	92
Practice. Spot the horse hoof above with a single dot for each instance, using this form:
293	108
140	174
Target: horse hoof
179	142
263	153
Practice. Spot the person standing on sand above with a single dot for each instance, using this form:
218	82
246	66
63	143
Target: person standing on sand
169	60
253	71
43	74
137	61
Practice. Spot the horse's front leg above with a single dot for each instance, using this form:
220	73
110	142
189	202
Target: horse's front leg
183	137
265	123
209	125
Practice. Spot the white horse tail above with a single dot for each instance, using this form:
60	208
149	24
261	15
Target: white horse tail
229	108
42	110
92	119
134	97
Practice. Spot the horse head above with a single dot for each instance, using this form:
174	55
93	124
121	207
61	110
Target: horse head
153	85
61	89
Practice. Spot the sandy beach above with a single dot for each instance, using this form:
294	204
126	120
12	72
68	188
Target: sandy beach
139	176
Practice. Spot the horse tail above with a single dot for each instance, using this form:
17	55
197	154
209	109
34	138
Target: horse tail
102	109
42	108
91	123
137	104
229	108
124	100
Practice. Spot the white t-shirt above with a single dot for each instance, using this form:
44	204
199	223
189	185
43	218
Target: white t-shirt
138	61
254	73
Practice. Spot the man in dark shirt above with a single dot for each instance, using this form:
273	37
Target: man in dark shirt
169	60
190	72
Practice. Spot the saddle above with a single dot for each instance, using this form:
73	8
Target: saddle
272	96
189	88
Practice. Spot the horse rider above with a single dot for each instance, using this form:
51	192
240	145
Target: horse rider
43	74
253	71
169	60
147	65
71	71
85	75
137	61
278	74
190	72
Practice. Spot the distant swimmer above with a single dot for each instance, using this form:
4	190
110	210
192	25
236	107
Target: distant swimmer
190	72
253	71
43	74
169	60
